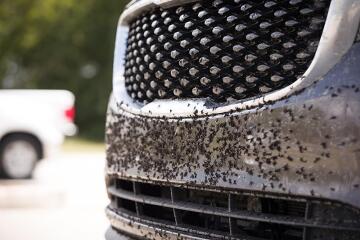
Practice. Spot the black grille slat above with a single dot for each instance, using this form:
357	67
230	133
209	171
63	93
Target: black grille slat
126	204
221	50
175	212
307	216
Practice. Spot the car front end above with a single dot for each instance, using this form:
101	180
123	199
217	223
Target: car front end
235	119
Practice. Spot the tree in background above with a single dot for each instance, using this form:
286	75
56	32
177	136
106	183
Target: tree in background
68	44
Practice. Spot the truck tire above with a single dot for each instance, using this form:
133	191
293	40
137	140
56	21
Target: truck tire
18	156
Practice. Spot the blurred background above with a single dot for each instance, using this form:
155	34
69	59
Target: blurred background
52	44
67	44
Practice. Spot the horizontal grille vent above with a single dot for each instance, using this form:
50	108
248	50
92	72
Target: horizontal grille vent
238	215
222	49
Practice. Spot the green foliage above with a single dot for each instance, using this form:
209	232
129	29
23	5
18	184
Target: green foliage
67	44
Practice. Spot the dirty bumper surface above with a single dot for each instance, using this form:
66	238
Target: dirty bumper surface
306	145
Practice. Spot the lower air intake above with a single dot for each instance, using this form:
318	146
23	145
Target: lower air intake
232	215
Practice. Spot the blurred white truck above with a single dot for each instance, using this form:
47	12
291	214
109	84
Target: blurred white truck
33	124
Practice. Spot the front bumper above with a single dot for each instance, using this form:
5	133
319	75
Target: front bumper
306	145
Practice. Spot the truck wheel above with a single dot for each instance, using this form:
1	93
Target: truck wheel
18	156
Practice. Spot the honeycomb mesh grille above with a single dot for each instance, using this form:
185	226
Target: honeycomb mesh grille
224	50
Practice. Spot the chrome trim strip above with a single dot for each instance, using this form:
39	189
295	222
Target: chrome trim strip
338	36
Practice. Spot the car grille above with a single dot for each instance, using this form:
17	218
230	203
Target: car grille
224	50
239	215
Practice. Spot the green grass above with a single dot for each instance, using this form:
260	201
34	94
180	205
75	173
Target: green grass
82	145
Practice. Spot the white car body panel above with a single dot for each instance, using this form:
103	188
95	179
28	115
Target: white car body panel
37	112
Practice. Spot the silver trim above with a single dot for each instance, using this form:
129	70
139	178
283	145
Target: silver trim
338	36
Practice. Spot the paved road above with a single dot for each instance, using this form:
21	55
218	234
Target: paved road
65	201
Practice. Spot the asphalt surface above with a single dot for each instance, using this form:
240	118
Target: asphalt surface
65	200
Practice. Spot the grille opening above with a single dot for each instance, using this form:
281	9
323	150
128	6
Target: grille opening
332	212
126	204
250	227
157	212
111	182
216	223
124	185
292	233
154	190
324	234
224	50
266	230
241	202
289	208
214	199
259	216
